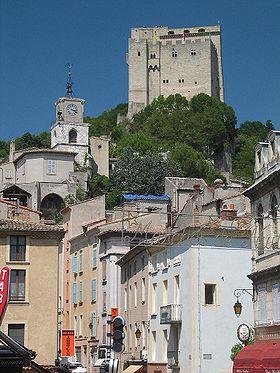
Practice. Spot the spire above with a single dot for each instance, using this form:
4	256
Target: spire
69	83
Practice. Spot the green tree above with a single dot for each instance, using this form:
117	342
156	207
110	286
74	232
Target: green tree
101	185
142	174
194	164
106	123
4	149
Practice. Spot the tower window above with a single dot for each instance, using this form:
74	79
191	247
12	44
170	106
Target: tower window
139	54
165	81
171	32
181	80
174	53
201	30
195	82
193	52
72	137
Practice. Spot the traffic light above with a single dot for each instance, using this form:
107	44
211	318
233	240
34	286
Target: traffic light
118	333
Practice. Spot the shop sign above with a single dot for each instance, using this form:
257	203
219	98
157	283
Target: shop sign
67	343
4	289
243	332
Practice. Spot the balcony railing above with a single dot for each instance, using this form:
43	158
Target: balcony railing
171	314
173	359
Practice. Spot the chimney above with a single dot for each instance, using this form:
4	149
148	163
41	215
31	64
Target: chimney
12	151
196	187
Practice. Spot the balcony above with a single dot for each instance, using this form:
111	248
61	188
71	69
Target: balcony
171	314
173	359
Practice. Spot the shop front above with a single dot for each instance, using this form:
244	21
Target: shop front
262	357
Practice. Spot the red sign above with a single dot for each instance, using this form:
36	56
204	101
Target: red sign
67	343
4	288
114	313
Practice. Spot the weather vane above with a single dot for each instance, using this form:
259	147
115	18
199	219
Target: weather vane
69	83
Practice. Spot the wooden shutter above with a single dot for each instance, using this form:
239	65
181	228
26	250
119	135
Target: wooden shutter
93	289
94	257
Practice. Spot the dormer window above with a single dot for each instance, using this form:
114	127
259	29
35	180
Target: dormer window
201	30
174	53
171	32
73	137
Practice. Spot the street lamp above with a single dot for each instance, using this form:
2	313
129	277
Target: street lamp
237	293
237	308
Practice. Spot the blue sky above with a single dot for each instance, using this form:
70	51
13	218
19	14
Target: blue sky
38	37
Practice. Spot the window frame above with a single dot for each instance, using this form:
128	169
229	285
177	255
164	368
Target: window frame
17	248
18	297
214	294
51	167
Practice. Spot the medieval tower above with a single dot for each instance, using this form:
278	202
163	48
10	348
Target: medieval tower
163	61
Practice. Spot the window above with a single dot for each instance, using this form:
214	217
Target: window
81	292
72	137
74	292
74	264
195	83
16	331
273	147
104	275
94	257
259	157
76	325
17	285
154	344
93	289
276	302
174	53
164	345
262	305
154	262
143	334
181	80
81	266
153	55
177	289
143	291
164	258
201	30
125	299
164	292
104	301
8	174
17	248
210	294
193	52
170	32
154	298
51	167
139	54
81	325
135	294
260	241
92	324
274	209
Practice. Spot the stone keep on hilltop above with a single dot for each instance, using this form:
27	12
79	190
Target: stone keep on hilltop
163	61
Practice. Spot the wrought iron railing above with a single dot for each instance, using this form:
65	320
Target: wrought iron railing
171	314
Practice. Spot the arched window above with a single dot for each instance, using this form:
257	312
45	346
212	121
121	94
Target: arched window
201	30
186	31
72	137
274	208
260	226
171	32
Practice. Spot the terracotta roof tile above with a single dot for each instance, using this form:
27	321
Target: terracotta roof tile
20	225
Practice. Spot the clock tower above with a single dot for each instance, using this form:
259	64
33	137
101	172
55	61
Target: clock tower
68	132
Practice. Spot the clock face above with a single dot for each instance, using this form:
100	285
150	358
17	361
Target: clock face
72	109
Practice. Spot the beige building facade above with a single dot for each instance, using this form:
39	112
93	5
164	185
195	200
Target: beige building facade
30	249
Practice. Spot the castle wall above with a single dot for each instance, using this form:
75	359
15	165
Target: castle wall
164	61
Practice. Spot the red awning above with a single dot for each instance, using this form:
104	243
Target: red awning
258	358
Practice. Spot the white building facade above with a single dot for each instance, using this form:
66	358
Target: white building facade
191	284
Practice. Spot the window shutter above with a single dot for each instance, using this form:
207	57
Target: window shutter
81	263
74	292
74	264
262	305
81	291
94	257
276	302
93	289
93	324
